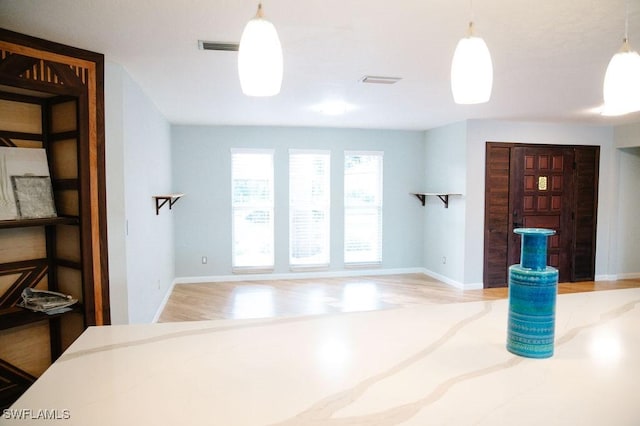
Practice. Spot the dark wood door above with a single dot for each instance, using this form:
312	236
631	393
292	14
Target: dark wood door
541	197
546	186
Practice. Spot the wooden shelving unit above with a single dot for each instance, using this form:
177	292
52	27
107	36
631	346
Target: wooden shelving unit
51	98
443	196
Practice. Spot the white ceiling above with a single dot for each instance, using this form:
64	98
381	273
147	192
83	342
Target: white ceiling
549	56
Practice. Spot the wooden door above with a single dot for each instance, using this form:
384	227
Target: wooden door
514	198
540	196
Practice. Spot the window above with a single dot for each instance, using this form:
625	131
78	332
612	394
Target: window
309	203
363	207
252	209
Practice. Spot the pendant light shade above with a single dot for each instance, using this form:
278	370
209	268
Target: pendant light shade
260	58
471	70
621	90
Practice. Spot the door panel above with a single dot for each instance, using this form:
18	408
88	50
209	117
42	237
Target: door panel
587	160
496	230
540	197
546	186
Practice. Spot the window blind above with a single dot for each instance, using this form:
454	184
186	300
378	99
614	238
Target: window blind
309	208
252	204
363	207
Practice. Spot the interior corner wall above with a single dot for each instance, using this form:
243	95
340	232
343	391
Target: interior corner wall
114	161
141	247
627	136
627	253
482	131
202	170
628	241
445	171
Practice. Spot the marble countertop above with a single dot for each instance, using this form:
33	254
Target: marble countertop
421	365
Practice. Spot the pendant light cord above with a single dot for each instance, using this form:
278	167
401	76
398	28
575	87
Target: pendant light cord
626	22
471	16
471	19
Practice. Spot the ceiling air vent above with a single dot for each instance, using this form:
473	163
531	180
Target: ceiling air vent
217	45
372	79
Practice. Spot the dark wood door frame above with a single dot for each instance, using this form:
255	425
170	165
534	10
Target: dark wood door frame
499	222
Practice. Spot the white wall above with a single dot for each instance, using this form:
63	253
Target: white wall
628	226
482	131
627	250
114	160
627	136
202	170
445	171
141	246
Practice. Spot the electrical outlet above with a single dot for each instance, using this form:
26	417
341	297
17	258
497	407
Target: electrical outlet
204	260
444	260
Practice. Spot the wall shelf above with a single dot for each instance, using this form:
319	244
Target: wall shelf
161	200
15	317
23	223
444	197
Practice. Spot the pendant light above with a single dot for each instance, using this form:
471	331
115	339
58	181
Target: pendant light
621	89
260	58
471	69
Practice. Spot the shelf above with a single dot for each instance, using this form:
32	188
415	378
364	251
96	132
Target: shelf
16	316
161	200
23	223
444	197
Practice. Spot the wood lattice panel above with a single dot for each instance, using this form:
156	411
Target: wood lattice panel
42	70
13	382
27	275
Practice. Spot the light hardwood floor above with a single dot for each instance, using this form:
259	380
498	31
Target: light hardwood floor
281	298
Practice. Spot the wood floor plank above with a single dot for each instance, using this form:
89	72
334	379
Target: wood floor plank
279	298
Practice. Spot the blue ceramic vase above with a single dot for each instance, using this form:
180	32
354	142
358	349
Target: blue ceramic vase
532	297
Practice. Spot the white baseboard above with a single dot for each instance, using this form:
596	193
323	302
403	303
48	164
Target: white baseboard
628	276
296	275
165	299
319	274
325	274
605	278
453	283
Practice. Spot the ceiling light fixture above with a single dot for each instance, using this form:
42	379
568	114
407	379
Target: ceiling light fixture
260	58
621	89
471	69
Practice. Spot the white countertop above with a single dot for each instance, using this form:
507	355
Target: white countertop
424	365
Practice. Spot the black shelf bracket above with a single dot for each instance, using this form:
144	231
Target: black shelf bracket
161	200
444	197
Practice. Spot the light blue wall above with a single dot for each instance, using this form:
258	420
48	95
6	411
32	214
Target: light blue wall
201	169
138	165
445	171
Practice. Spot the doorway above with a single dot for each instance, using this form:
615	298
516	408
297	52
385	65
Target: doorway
541	186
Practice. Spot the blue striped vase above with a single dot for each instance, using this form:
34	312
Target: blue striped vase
532	297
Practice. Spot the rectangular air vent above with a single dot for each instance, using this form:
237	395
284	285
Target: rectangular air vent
217	45
372	79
